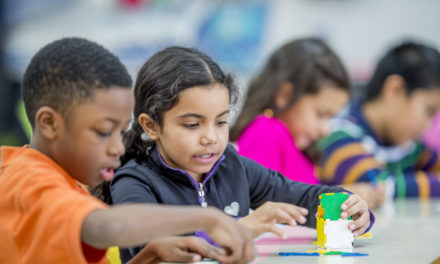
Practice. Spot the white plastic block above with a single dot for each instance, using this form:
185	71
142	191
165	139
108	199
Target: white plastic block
337	234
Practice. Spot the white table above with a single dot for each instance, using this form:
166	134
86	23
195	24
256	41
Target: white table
406	231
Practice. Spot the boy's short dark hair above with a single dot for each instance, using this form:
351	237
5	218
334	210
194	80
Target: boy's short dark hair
417	64
67	71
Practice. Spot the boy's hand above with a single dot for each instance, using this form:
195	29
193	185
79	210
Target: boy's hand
357	208
176	249
234	238
265	218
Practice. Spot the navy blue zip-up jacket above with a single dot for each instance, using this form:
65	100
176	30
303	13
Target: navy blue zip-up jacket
235	184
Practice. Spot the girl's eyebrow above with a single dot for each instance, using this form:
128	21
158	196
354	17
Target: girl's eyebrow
223	113
190	115
200	116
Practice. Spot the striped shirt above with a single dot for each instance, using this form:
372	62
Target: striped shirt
352	153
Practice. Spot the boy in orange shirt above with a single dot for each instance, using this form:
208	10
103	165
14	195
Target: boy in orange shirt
78	99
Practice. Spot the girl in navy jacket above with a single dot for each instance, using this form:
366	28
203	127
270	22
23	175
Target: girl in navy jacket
178	152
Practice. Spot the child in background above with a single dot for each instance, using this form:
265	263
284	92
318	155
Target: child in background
288	107
178	152
79	101
378	138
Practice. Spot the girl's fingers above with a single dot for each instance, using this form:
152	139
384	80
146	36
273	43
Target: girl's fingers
352	226
362	220
293	209
358	209
281	216
297	213
359	231
277	212
285	214
360	225
352	199
354	209
277	231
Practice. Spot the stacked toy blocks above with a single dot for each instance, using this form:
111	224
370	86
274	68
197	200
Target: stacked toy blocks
333	232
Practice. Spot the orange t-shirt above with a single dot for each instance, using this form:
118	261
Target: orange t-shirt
42	211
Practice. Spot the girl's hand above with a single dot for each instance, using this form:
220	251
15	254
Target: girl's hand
357	208
265	218
176	249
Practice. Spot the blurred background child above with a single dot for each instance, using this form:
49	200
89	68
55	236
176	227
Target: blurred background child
288	107
378	138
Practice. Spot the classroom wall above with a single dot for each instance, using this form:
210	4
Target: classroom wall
359	30
238	34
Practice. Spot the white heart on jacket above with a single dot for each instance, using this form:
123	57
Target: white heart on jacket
232	209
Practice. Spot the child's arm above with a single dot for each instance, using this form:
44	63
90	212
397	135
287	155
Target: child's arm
428	160
136	224
176	249
346	161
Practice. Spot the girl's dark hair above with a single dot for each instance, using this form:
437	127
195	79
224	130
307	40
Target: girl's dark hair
417	64
305	63
158	84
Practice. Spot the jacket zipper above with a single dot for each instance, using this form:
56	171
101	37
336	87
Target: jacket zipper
198	187
202	195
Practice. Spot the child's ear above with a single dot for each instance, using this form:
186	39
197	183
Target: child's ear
150	127
393	88
47	121
285	92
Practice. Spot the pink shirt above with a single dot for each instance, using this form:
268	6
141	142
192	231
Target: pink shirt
432	136
269	142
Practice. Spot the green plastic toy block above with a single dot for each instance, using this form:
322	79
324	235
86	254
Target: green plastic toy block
331	202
